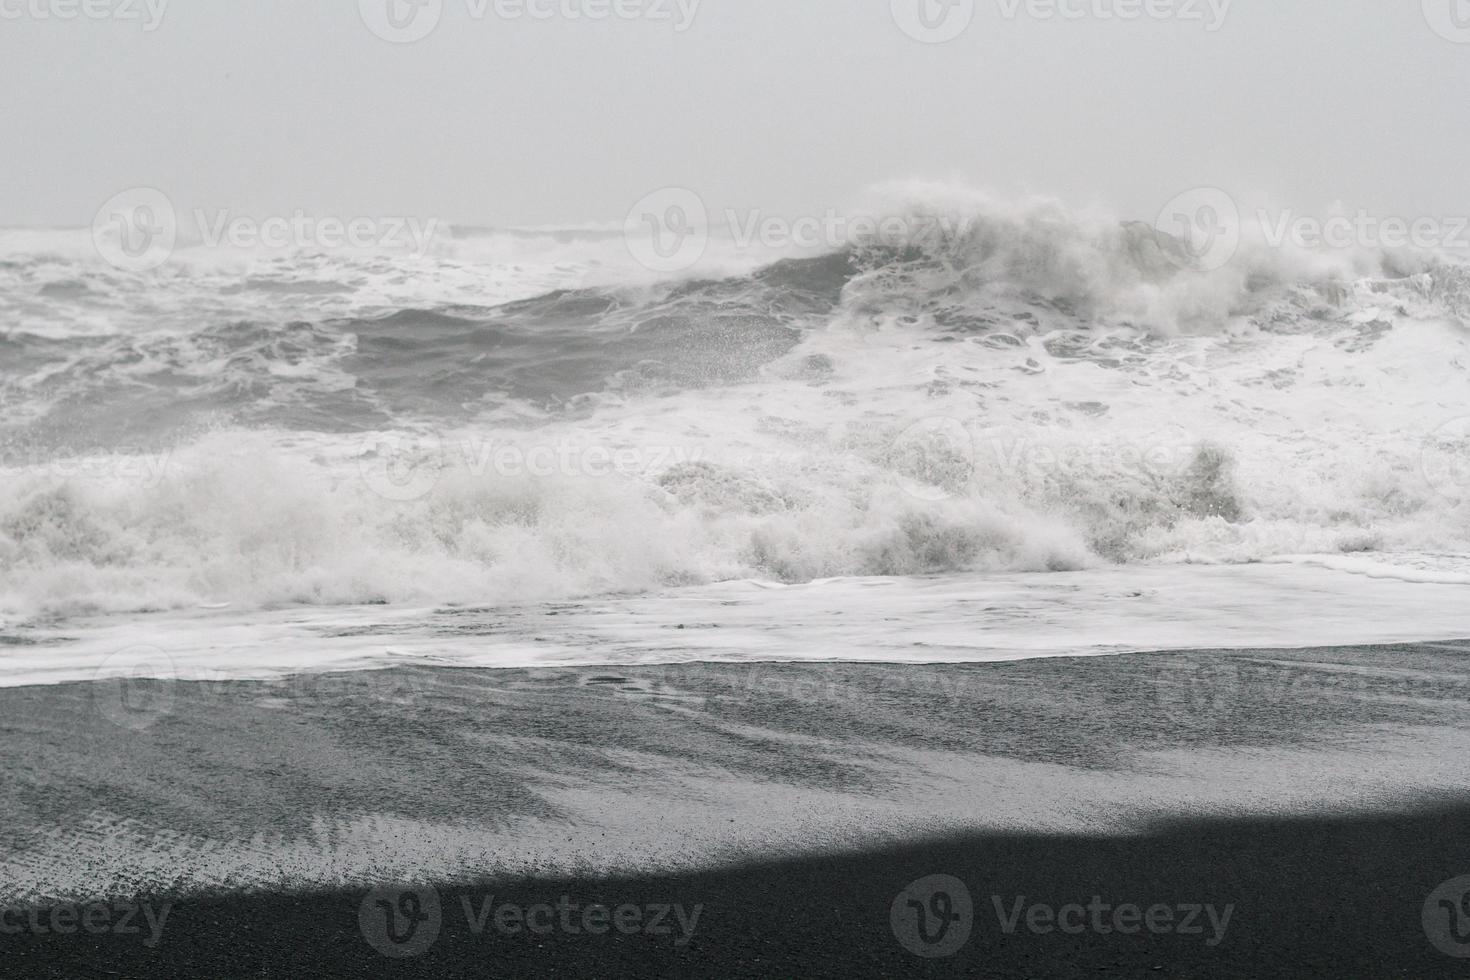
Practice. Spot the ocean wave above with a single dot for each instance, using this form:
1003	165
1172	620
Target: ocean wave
1032	389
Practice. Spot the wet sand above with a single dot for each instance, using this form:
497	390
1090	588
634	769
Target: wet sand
1321	795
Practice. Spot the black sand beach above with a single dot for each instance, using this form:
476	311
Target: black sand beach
1209	814
1312	897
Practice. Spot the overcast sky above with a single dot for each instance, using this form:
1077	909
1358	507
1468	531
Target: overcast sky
276	105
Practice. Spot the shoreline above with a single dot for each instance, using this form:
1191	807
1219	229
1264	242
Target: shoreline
958	618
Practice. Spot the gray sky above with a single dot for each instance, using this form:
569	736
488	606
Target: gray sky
784	105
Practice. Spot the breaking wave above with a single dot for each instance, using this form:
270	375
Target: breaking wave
1030	388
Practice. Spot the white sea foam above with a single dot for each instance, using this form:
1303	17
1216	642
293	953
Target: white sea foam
1045	391
954	618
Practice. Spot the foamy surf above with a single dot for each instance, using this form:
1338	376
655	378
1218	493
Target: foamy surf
955	618
1031	391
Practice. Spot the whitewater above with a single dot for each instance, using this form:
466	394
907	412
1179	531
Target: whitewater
1046	431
